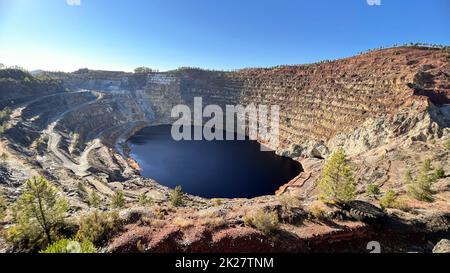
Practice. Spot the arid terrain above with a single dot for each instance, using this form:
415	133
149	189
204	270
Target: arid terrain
388	109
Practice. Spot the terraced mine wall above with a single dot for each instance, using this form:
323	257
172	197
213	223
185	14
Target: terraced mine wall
358	103
317	101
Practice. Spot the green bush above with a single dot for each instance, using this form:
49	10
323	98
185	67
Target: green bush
94	199
427	165
389	199
372	190
336	182
3	207
447	144
38	215
176	197
317	212
266	222
70	246
145	201
408	177
420	188
118	200
97	227
439	173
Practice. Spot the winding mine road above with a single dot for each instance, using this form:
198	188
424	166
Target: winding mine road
54	138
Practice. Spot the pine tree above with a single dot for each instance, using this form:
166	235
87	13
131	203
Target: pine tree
176	197
420	188
37	215
336	182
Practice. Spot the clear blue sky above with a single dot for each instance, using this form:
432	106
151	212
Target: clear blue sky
219	34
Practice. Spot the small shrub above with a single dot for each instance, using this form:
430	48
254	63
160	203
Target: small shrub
389	199
408	177
447	144
176	197
317	212
81	189
94	199
426	167
401	204
288	201
145	201
217	202
97	227
3	207
420	188
291	211
266	222
372	190
70	246
211	218
4	157
183	222
118	200
439	173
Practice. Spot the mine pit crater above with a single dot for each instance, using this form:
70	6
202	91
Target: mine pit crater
210	169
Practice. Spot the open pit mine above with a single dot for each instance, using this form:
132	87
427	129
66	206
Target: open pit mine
387	109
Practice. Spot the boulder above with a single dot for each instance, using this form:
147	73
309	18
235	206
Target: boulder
442	247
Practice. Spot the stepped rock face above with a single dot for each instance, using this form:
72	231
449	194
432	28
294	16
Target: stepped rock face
317	102
389	109
359	103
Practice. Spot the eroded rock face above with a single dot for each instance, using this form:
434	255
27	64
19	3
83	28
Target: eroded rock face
385	108
357	102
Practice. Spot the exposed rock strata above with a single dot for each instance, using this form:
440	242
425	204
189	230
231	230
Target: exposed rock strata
388	109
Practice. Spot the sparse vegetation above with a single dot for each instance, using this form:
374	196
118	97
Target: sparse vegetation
70	246
427	165
94	199
291	210
38	215
317	212
266	222
217	202
176	197
420	188
389	199
98	226
183	222
4	157
336	182
3	207
373	190
145	201
118	200
4	118
408	177
81	189
439	173
447	144
211	218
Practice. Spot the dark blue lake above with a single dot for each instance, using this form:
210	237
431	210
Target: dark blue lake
212	169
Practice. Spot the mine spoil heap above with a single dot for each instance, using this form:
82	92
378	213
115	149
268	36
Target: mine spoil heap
389	110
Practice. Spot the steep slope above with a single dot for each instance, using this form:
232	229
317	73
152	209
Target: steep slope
389	109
